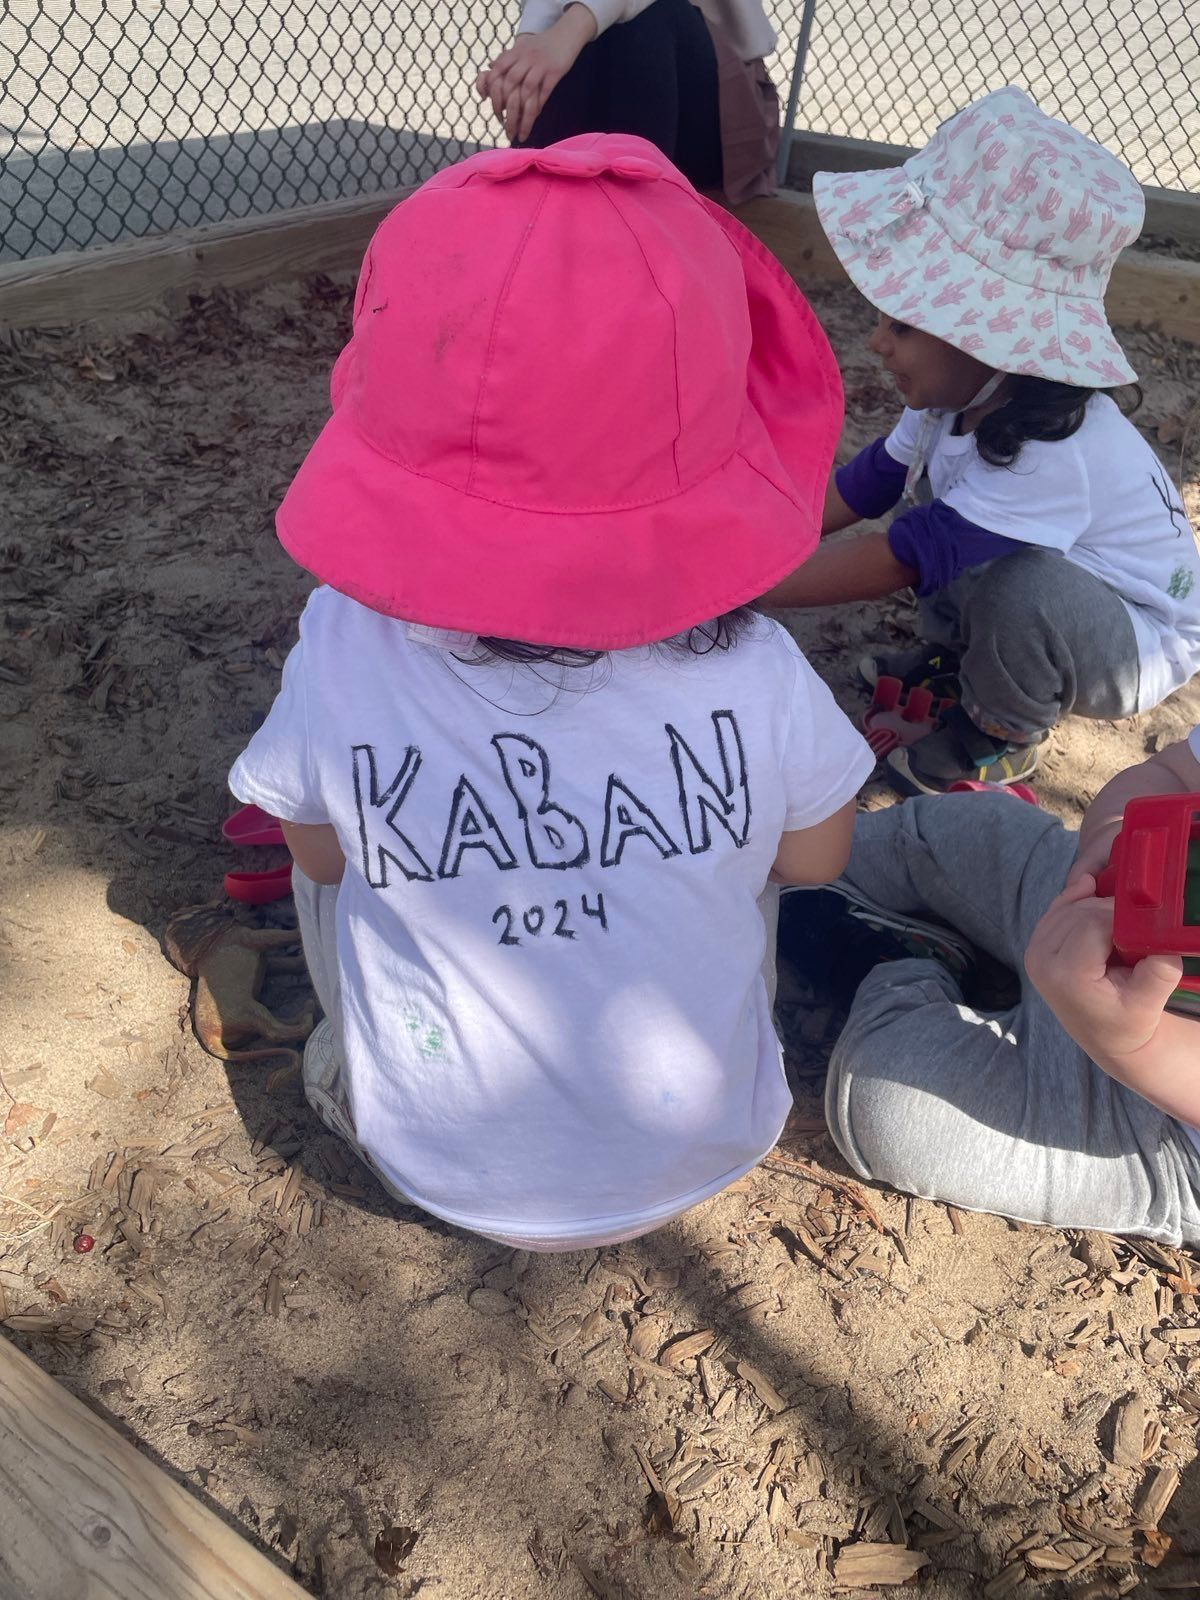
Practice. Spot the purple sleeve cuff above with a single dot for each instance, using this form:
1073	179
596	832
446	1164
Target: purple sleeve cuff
940	544
873	482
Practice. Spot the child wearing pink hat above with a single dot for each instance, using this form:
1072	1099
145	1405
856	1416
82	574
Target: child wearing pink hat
535	759
1055	566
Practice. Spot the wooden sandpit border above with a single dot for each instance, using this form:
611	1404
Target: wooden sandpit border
72	289
82	1512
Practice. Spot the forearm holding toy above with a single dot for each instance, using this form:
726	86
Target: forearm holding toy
1116	1013
1174	770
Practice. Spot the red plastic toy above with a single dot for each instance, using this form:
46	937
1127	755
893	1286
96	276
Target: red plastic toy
252	825
894	719
1154	879
259	888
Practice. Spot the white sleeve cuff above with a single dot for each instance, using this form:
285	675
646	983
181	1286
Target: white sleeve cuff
538	15
607	12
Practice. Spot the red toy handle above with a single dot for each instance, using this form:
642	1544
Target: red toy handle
259	888
252	825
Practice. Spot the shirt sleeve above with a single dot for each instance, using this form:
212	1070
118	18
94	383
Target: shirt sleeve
941	544
826	760
903	440
1042	499
275	770
873	482
609	12
538	15
1194	742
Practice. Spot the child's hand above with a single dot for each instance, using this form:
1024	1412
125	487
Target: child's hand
1174	770
520	81
1095	851
1110	1011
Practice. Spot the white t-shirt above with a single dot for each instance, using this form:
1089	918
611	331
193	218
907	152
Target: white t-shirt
554	1019
744	21
1103	499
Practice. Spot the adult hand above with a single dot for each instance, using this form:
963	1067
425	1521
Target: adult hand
1110	1011
521	80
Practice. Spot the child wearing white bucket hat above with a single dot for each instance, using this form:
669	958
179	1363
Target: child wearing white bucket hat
1051	553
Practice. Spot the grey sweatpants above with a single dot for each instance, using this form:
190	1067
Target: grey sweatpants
1001	1113
1039	639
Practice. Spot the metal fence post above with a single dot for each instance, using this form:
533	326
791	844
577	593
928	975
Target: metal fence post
789	116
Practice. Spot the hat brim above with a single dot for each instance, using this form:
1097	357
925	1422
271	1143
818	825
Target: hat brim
1006	325
399	542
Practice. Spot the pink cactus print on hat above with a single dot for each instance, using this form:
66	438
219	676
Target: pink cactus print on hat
999	237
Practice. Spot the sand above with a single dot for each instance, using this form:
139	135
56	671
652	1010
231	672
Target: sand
747	1403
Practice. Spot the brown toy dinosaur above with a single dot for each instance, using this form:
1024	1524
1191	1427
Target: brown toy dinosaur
229	963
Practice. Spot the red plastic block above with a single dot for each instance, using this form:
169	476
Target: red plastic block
894	719
1154	880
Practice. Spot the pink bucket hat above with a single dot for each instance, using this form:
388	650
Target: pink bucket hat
580	406
998	237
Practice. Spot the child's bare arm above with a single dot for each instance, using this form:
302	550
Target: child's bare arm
315	850
838	514
1174	770
818	854
1116	1013
851	569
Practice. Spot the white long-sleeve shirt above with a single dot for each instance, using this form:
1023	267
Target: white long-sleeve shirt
744	21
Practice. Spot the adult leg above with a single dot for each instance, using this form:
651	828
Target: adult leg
639	86
574	103
699	153
656	77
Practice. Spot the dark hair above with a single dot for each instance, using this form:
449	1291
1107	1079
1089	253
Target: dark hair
722	633
1036	408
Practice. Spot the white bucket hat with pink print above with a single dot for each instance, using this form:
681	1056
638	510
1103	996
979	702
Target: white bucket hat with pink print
998	237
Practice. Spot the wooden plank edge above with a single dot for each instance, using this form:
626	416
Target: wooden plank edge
1145	291
145	274
1171	213
76	287
83	1512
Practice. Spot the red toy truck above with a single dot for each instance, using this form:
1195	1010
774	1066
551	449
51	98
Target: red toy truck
1154	878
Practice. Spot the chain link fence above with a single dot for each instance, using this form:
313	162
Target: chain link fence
128	117
1125	71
